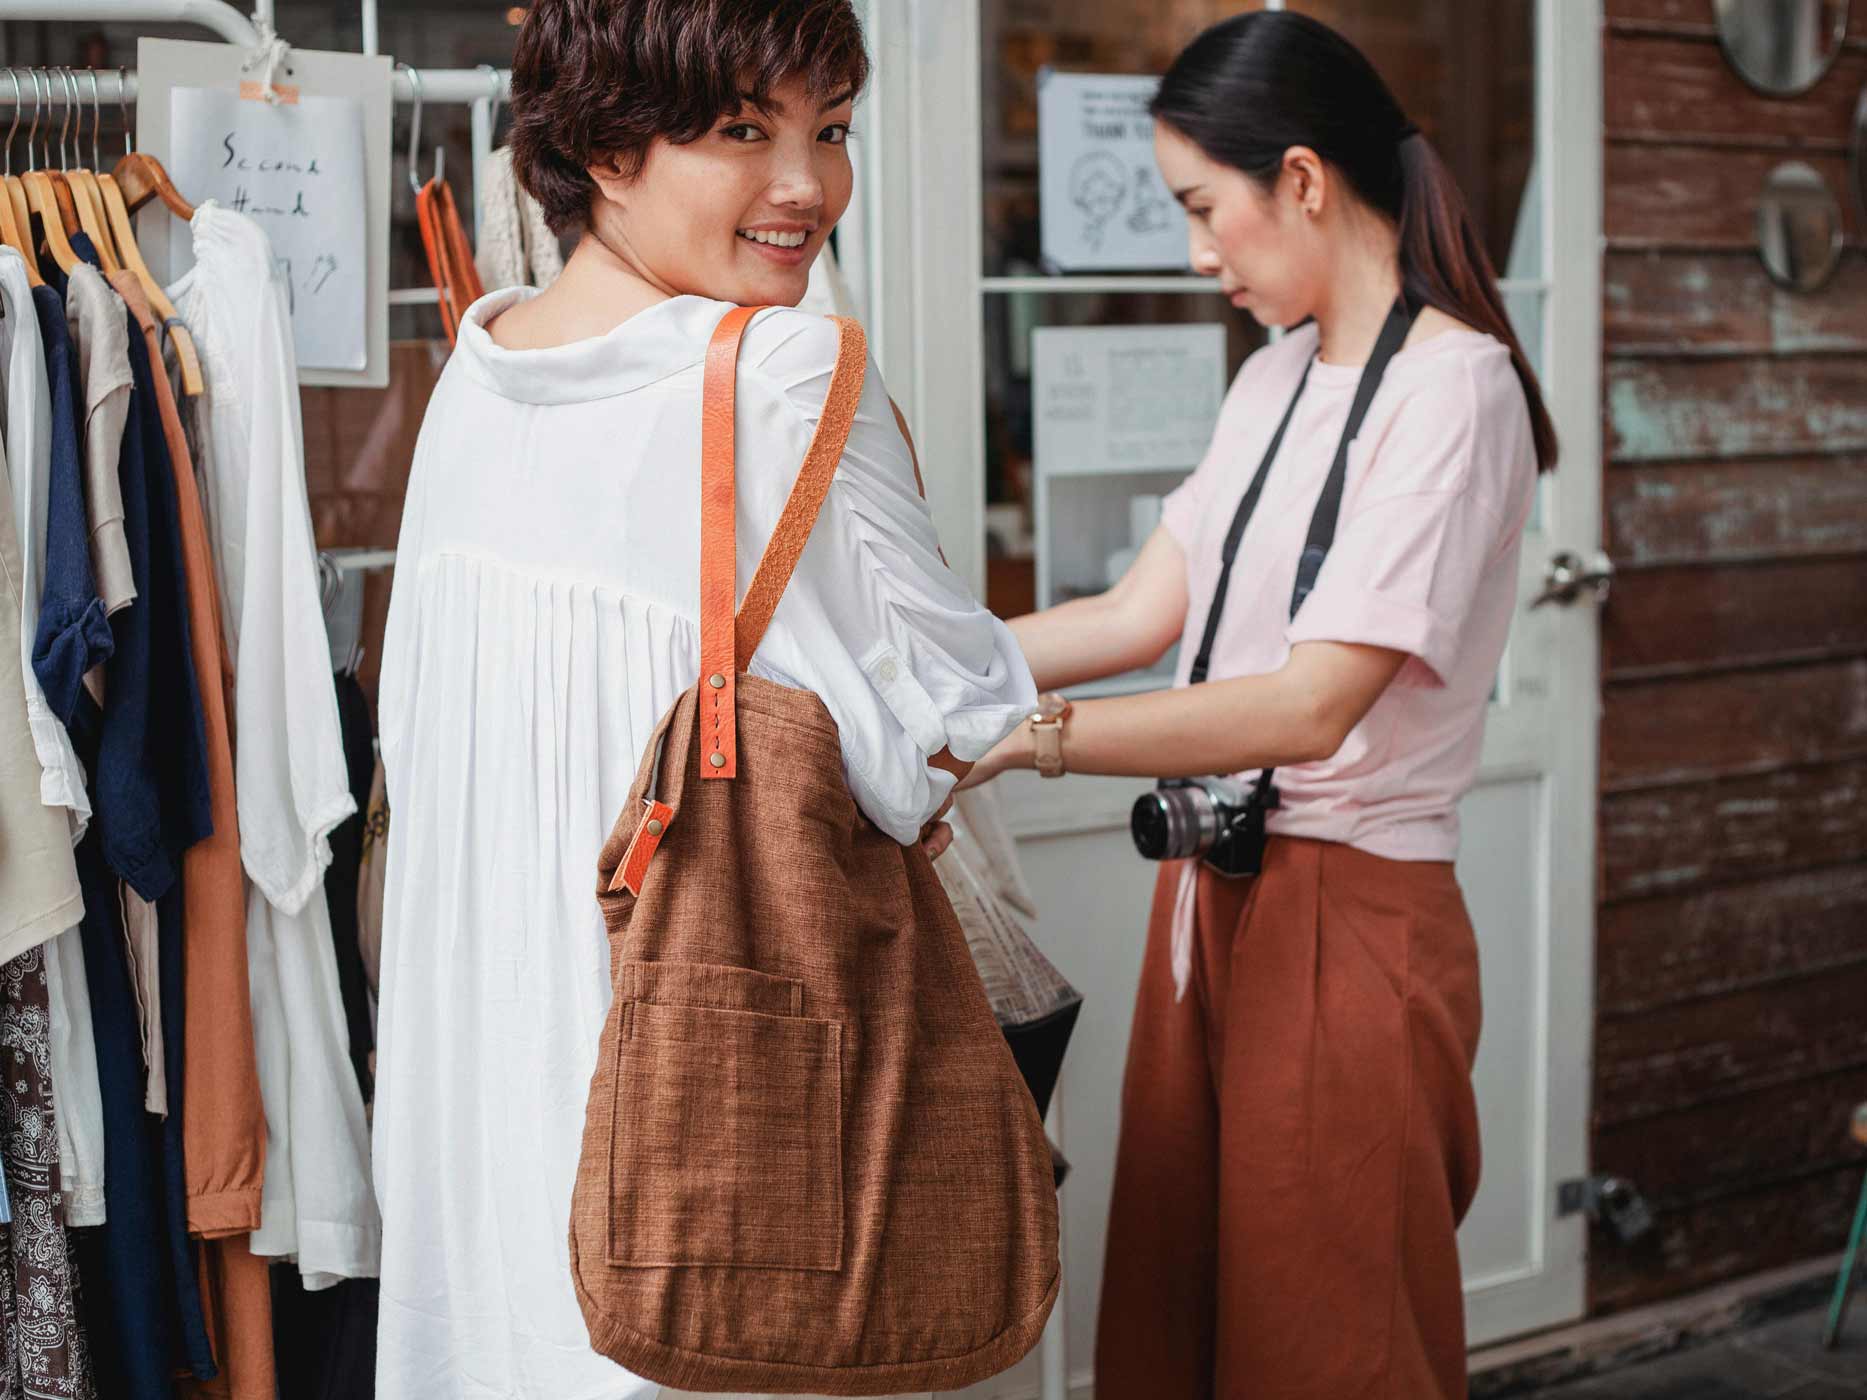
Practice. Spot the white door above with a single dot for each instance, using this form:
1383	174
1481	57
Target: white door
951	303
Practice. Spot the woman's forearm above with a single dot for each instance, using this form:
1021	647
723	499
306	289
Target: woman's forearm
1298	714
1128	628
1081	640
1221	727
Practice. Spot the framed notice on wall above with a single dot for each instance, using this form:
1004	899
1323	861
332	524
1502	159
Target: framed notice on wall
1122	413
1102	204
1125	398
311	169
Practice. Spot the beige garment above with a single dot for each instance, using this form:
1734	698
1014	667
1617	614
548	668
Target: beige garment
516	247
100	335
140	932
39	894
370	880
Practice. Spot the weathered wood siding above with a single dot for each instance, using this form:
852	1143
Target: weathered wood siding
1732	942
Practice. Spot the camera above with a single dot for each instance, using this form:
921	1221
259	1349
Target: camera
1219	820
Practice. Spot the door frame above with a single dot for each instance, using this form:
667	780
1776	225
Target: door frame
919	206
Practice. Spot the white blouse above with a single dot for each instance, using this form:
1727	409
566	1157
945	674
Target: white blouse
543	619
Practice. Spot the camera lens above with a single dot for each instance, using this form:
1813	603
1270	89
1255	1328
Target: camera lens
1151	826
1174	822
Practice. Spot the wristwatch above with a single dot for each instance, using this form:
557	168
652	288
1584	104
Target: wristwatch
1047	733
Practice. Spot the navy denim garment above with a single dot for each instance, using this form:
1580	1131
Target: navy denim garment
150	780
146	752
129	1304
73	633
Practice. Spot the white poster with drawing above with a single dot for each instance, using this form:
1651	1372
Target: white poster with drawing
298	169
1125	398
1102	204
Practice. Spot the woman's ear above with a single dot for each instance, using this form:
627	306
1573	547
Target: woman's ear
610	178
1307	179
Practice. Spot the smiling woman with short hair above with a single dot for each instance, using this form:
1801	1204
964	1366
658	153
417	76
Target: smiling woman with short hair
544	618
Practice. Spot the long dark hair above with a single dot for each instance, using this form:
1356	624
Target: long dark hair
1253	86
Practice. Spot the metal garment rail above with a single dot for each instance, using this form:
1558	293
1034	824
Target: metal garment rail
479	89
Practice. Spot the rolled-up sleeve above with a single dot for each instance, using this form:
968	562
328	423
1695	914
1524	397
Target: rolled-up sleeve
907	661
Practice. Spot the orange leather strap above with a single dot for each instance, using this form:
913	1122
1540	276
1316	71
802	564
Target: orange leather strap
727	641
648	833
718	584
792	532
450	257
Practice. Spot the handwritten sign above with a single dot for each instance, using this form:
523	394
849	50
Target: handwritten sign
298	170
1125	398
1102	205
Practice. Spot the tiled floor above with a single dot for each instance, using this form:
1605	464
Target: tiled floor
1779	1360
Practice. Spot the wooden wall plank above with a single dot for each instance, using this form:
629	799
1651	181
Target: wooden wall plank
1752	406
1682	89
1677	620
1698	197
1736	512
1688	1156
1690	15
1722	1239
1656	303
1734	829
1652	953
1701	727
1664	1059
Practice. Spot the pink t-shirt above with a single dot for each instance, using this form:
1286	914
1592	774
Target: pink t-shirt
1440	483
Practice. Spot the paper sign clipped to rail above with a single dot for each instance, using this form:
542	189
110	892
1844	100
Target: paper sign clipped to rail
298	169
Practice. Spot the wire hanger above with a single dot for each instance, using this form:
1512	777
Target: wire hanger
15	221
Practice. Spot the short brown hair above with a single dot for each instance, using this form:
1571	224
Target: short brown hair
600	78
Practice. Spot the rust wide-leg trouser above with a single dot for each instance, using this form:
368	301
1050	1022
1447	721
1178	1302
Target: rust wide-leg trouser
1299	1140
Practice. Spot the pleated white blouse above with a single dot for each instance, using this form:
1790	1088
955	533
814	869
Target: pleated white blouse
543	619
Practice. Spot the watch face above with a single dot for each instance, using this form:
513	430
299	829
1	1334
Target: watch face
1051	705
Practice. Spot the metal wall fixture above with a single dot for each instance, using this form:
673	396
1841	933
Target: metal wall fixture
1781	47
1798	227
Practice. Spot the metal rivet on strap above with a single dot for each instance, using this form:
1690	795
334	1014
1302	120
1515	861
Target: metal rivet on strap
718	760
717	681
654	828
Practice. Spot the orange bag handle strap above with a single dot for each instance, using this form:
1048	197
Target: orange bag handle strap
729	637
792	532
718	580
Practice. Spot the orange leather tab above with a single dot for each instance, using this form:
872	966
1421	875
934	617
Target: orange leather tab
792	532
642	846
719	749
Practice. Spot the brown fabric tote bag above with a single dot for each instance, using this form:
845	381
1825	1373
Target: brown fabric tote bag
809	1163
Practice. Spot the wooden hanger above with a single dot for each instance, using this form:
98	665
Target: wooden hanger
117	207
50	201
83	184
15	222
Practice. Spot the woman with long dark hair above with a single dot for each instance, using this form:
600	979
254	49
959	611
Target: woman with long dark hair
1299	1135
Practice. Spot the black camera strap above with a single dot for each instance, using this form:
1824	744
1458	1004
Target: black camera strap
1328	504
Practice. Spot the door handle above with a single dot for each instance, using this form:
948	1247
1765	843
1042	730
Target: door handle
1569	574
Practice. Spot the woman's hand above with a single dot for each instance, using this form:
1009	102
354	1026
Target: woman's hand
1013	751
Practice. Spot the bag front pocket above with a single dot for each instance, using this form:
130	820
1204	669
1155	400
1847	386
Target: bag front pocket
726	1132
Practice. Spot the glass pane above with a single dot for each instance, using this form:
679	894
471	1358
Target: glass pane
1021	37
1465	72
1092	521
